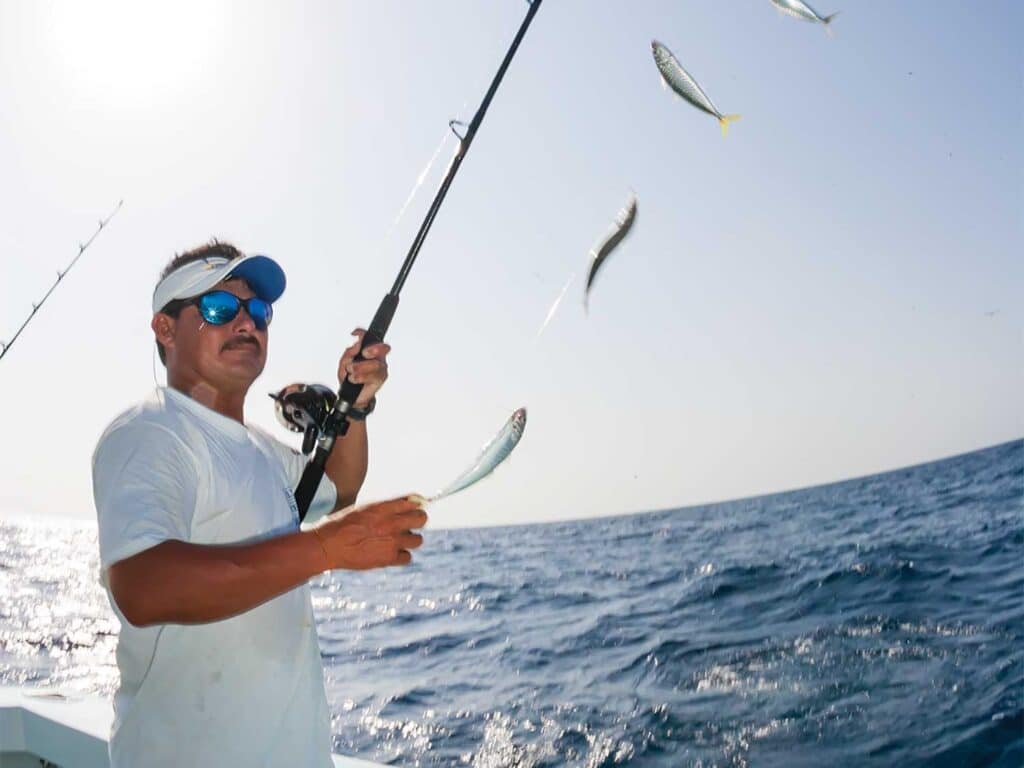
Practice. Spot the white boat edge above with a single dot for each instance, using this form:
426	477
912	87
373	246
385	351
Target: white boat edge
45	726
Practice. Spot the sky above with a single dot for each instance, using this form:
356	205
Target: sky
833	290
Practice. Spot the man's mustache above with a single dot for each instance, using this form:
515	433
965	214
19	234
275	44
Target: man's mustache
240	341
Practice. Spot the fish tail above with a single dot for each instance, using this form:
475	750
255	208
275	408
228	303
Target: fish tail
724	121
827	24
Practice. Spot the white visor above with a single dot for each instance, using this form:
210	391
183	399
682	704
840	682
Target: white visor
264	275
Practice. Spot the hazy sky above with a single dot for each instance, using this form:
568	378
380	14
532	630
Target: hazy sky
833	290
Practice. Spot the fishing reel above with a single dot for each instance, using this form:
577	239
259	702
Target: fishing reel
304	408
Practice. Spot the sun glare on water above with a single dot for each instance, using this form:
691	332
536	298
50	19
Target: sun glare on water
133	54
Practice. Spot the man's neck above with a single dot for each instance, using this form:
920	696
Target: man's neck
229	403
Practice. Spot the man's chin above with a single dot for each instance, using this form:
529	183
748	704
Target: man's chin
244	363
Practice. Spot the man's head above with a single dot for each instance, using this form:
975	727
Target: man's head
211	308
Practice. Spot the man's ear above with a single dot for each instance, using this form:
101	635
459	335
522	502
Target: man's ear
163	329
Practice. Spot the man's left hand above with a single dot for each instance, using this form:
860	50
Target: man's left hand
371	372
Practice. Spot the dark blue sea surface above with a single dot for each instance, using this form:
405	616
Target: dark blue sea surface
875	622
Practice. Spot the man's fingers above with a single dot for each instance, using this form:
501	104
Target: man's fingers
367	369
407	521
351	351
400	504
374	368
354	346
378	350
396	518
375	536
407	540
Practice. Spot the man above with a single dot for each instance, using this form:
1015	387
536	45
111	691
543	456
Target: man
200	546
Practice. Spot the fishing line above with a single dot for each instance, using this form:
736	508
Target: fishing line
425	173
156	383
555	305
422	178
419	182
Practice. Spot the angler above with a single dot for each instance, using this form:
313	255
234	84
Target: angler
200	549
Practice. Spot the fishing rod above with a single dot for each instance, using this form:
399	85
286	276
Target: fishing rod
329	421
6	345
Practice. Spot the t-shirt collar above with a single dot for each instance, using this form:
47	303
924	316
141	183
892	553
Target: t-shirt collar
229	426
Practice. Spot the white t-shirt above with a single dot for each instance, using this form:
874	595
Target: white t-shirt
244	691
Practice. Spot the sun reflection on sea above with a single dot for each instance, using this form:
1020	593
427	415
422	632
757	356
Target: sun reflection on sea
56	626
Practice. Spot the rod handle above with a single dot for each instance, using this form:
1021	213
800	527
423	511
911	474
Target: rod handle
314	471
310	481
374	335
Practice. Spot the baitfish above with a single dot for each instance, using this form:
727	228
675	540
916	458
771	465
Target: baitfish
623	223
679	80
801	10
492	454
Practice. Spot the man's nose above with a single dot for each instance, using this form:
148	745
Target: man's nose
243	320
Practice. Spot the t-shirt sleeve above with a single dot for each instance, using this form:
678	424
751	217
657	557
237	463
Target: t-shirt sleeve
144	485
294	464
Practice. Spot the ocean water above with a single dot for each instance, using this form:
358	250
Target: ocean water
876	622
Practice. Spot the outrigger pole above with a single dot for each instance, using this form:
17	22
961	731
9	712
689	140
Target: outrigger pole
335	423
36	306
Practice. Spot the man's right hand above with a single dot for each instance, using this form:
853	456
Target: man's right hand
371	536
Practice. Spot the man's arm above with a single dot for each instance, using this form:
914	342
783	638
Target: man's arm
179	583
346	466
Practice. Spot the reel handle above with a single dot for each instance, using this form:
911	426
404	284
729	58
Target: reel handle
309	439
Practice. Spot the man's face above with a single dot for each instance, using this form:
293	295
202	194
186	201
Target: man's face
228	355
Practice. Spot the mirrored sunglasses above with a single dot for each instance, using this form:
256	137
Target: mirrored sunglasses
220	307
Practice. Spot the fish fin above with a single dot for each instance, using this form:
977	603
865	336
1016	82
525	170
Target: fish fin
828	19
724	121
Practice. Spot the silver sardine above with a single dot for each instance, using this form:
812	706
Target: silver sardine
679	80
623	223
801	10
492	455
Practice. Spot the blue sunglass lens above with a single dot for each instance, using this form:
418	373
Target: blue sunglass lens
261	312
219	307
